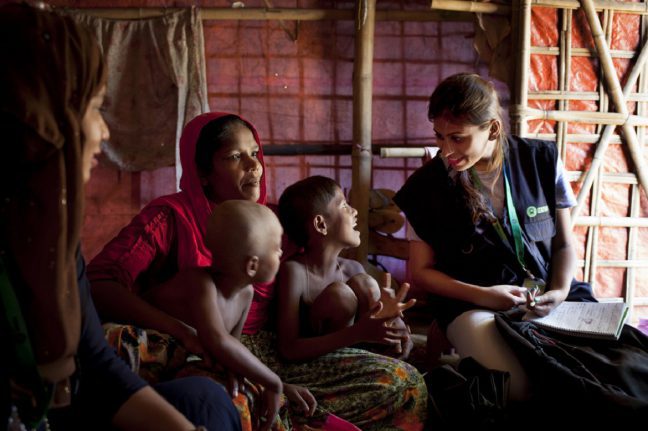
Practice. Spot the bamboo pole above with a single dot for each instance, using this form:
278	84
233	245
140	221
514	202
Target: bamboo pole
608	177
634	144
471	6
636	8
581	52
580	137
564	73
522	15
338	150
402	152
633	236
597	187
587	117
629	264
581	95
572	137
612	221
362	95
501	9
615	92
285	14
597	191
635	198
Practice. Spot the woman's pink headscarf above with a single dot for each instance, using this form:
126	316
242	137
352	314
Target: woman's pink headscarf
191	206
192	209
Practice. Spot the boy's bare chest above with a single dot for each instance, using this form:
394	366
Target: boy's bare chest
315	284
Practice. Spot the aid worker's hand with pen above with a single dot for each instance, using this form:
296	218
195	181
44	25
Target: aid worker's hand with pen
542	304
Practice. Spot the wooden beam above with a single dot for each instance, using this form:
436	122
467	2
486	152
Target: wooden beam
606	136
471	6
362	105
616	93
336	150
503	9
285	14
522	20
612	221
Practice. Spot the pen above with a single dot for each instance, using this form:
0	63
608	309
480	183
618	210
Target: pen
531	296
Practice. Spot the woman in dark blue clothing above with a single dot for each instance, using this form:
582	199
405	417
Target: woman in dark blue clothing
56	369
492	222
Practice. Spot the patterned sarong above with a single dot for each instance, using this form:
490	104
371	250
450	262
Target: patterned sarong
372	391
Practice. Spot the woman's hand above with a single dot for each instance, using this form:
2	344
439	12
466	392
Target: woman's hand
188	338
502	297
548	301
235	383
301	398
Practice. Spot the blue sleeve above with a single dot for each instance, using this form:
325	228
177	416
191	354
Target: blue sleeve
105	381
564	194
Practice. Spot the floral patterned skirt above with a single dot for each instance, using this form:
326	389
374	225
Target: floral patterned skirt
158	357
373	391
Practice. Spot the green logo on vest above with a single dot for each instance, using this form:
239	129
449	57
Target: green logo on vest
533	211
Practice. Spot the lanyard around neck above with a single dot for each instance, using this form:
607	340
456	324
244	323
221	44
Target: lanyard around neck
512	214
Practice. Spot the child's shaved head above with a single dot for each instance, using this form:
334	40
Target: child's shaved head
238	230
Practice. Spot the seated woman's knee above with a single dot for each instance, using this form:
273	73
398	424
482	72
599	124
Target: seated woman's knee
203	401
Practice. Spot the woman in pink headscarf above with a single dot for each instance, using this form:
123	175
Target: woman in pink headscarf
222	160
167	236
220	163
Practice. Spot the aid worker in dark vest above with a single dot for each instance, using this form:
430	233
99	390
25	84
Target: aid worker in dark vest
491	222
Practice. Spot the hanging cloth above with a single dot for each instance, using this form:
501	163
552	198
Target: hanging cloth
156	84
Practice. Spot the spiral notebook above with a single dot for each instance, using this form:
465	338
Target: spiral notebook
586	319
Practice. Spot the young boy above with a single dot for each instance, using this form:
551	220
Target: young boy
327	302
245	241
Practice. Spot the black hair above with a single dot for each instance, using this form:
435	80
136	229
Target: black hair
302	201
211	137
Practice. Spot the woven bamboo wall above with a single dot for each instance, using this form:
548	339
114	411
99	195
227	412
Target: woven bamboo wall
583	86
579	78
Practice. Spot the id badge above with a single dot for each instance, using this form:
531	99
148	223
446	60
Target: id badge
535	287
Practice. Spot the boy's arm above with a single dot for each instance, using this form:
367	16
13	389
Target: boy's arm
227	349
238	329
293	347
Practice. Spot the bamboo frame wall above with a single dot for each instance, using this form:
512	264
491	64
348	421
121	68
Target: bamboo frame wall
610	95
365	16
